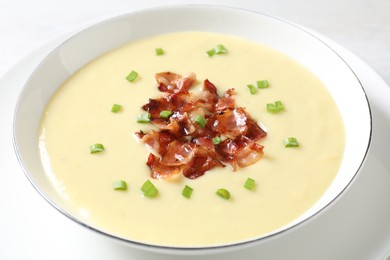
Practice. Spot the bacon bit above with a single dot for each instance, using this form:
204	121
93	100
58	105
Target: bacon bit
206	144
230	123
180	101
249	154
210	95
181	146
155	106
140	134
160	171
185	126
254	131
199	165
240	152
177	154
157	142
204	159
173	83
226	102
172	126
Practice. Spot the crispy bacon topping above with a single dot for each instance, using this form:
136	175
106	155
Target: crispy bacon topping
240	152
183	146
226	102
174	83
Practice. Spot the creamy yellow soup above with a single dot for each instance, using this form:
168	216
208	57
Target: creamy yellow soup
288	180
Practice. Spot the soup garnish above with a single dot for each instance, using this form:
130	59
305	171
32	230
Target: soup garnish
196	133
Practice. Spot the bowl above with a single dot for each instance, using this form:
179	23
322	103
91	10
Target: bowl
283	36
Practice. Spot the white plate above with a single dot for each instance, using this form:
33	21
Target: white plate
275	33
354	228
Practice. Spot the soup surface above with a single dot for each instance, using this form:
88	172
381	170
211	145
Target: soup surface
288	180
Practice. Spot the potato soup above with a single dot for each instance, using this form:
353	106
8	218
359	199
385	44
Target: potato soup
288	180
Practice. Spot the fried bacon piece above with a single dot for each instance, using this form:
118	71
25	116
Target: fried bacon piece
199	165
177	154
226	102
240	152
209	95
159	170
192	159
204	158
230	123
155	106
254	131
173	83
183	146
157	142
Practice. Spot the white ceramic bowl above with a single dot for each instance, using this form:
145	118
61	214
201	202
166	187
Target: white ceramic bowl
283	36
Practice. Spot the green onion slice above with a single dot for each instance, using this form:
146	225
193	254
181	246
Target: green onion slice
133	75
200	120
149	190
218	49
119	185
275	107
249	184
216	140
143	118
210	53
252	89
291	142
271	108
96	148
279	105
165	113
223	193
116	108
187	192
159	51
262	83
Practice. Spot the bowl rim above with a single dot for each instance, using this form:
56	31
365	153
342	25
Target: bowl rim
191	249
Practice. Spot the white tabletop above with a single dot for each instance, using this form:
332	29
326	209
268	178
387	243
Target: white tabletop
362	26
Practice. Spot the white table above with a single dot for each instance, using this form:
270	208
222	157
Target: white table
32	229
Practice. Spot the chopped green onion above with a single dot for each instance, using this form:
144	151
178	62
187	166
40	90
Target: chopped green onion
149	190
223	193
262	83
133	75
143	118
291	142
200	120
249	184
218	49
116	108
216	140
279	105
159	51
165	113
187	192
96	148
119	185
210	53
275	107
252	89
271	108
